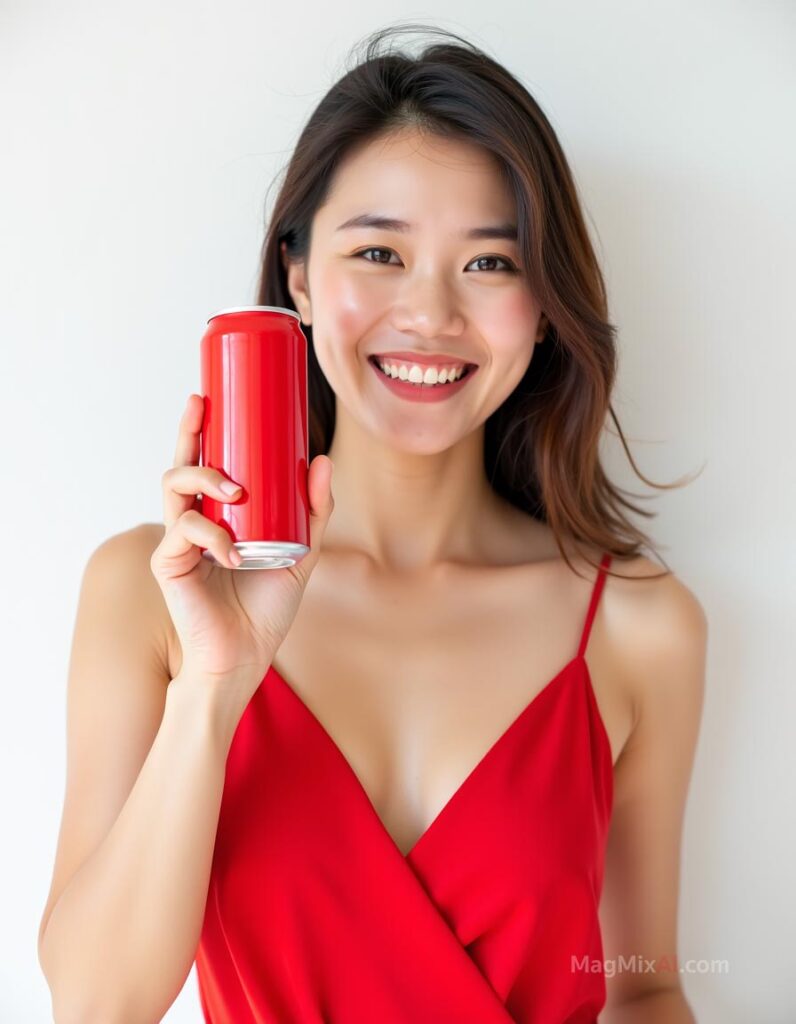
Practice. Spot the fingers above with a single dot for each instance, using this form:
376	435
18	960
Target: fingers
179	551
190	431
181	484
186	454
185	480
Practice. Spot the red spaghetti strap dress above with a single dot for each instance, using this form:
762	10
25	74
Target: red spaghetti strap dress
314	916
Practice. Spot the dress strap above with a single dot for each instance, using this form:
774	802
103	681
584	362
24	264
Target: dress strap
595	597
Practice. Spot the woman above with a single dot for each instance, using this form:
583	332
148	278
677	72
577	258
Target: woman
377	785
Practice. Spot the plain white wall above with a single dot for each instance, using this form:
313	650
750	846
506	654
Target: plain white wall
139	141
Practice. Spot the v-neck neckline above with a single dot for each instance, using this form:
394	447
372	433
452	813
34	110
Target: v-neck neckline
468	781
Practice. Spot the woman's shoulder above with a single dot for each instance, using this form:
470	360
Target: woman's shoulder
129	553
640	588
658	605
658	627
123	560
130	550
647	600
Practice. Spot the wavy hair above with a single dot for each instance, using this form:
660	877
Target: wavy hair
541	445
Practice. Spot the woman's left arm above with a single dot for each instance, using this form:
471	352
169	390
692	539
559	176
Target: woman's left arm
666	672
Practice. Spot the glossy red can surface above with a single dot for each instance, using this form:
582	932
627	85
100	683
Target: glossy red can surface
255	431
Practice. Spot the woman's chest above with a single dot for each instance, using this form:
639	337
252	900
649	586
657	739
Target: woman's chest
415	685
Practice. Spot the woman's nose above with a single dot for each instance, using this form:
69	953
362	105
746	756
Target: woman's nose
427	307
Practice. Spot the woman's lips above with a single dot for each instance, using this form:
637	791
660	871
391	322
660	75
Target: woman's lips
438	361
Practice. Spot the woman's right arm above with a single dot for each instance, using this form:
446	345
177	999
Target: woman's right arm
146	755
145	772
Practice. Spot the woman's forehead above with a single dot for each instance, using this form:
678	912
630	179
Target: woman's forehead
413	179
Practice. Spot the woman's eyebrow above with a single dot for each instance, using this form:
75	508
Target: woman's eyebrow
372	220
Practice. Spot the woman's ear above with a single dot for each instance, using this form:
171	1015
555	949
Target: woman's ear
541	330
297	284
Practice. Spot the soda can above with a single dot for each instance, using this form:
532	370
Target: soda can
255	431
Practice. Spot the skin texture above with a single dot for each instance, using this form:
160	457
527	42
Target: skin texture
434	601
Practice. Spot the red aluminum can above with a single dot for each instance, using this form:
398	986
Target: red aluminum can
254	385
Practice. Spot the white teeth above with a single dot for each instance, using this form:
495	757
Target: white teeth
415	374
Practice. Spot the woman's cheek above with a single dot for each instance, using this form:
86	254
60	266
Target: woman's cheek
344	312
350	304
508	329
512	324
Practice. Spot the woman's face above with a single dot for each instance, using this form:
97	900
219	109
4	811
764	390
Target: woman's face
436	290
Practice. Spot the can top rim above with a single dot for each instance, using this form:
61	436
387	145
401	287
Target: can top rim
255	309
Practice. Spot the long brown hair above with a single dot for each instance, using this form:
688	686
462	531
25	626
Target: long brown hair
541	444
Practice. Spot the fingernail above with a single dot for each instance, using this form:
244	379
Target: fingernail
228	487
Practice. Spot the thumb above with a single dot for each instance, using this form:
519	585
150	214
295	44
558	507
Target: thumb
319	485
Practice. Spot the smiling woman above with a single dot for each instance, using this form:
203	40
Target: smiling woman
403	170
461	364
463	784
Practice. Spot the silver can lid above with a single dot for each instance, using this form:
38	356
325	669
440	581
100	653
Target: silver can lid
254	309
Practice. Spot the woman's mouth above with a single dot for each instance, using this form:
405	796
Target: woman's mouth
422	383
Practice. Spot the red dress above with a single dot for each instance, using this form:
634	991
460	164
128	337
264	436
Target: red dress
314	916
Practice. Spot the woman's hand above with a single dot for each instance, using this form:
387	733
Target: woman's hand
229	623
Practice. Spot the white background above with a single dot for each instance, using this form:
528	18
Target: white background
139	141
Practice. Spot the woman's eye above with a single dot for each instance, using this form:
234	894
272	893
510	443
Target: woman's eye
507	264
484	262
382	252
